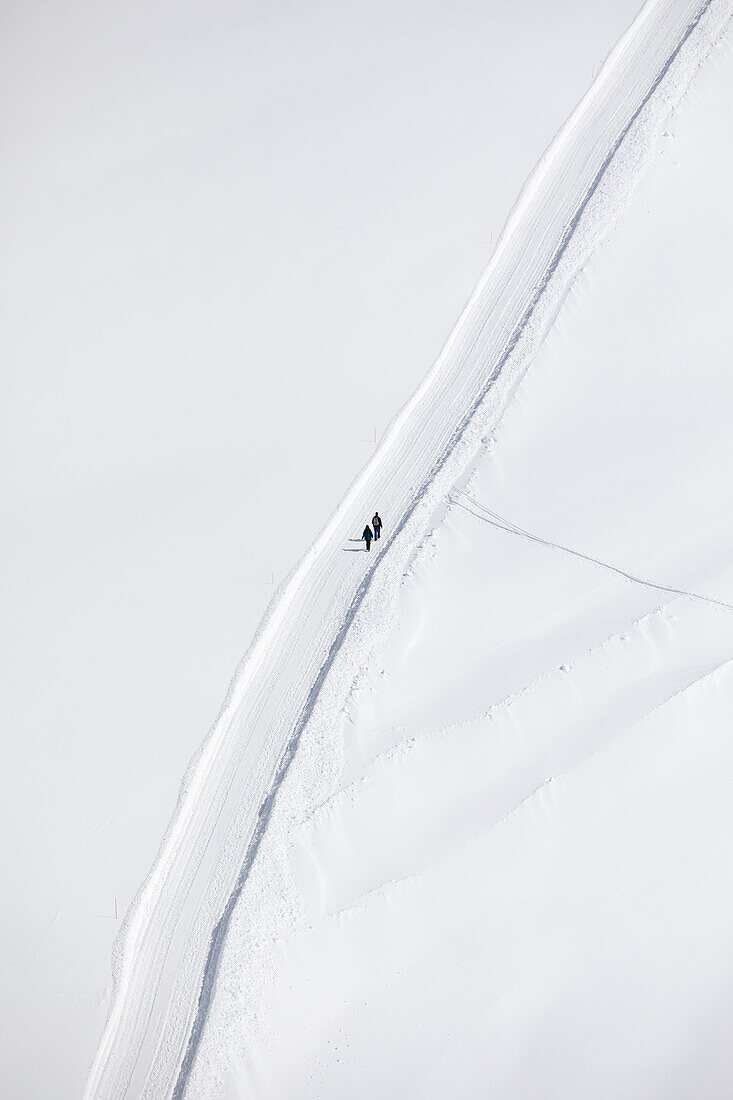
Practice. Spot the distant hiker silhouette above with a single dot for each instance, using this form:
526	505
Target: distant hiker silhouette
367	536
377	525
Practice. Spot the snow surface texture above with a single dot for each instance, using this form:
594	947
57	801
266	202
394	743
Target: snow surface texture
521	886
234	236
298	664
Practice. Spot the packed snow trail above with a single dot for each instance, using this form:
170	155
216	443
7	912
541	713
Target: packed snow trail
167	953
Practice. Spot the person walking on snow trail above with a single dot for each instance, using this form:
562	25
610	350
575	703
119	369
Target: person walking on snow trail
367	536
377	525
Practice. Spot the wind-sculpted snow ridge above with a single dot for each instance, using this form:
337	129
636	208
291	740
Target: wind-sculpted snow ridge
314	634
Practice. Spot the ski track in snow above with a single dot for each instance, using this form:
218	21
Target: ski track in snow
167	954
463	500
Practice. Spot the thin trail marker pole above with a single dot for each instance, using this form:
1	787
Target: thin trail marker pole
116	918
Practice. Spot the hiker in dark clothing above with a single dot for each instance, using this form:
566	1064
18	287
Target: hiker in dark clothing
377	525
367	536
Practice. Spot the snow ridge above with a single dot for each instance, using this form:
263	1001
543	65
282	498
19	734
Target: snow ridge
167	954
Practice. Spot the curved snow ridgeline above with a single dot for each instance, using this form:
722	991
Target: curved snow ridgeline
168	950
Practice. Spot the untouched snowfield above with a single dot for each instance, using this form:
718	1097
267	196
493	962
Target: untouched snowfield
519	885
233	239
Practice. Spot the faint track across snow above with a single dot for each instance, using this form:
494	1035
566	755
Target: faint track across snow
468	504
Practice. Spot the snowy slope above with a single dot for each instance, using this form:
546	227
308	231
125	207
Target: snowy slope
234	236
521	886
170	954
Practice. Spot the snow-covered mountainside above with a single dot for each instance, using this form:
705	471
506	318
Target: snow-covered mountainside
223	888
520	886
435	840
